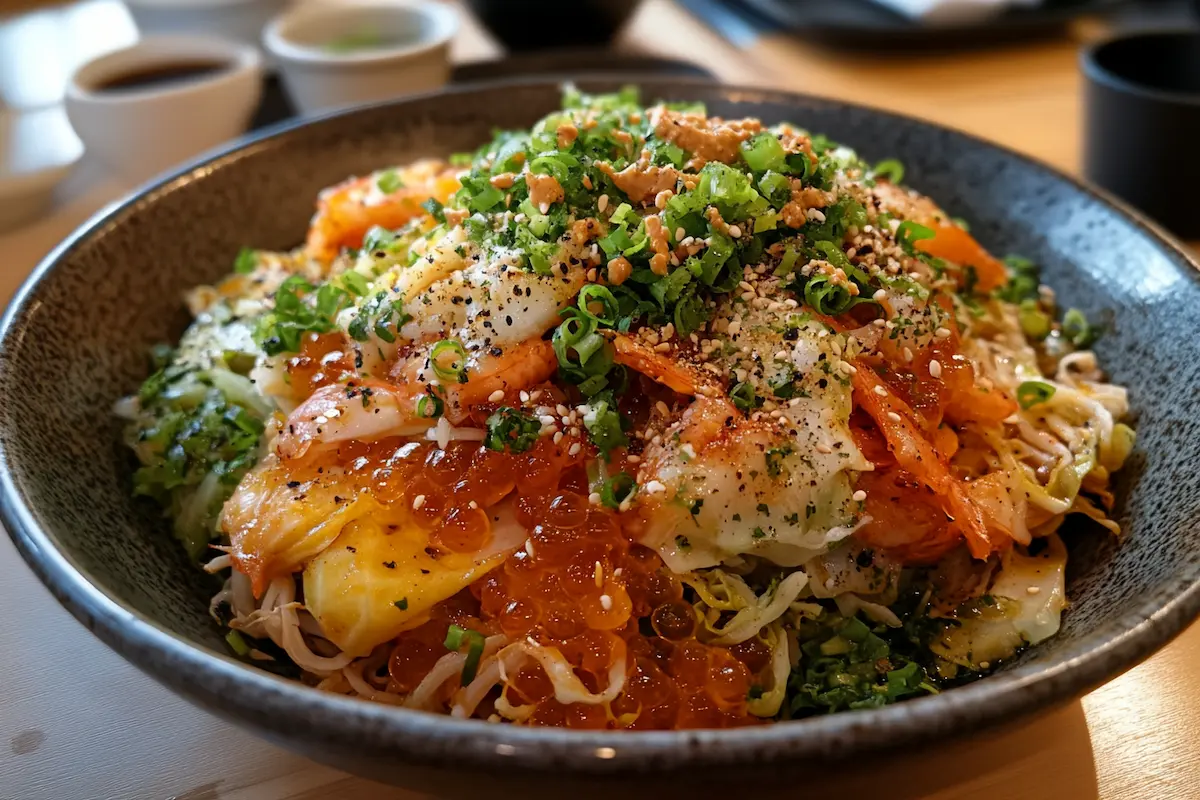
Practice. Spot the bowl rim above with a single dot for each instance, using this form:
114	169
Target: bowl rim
275	706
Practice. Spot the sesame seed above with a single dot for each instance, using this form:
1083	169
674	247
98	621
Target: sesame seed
984	664
1033	589
598	574
935	368
880	295
574	449
735	231
735	327
524	397
594	498
847	367
605	602
908	354
662	347
655	487
893	416
859	496
472	505
496	396
562	410
942	333
418	501
558	437
602	203
633	459
529	547
617	572
547	419
823	448
679	234
882	392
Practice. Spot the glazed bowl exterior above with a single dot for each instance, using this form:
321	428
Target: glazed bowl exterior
75	340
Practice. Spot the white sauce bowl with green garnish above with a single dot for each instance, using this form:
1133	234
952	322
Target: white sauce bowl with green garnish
333	55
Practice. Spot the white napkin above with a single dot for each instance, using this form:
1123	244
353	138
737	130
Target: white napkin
953	12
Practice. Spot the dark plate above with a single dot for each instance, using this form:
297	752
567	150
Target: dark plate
75	339
868	25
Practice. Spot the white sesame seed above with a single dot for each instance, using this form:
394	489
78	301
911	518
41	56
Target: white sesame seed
823	448
472	504
558	437
735	231
908	354
1033	589
882	392
617	572
632	459
602	203
535	396
662	347
655	487
418	501
679	234
562	410
859	496
598	574
574	449
594	498
984	664
529	547
605	602
935	368
547	419
496	396
893	416
880	295
688	450
544	208
847	367
524	397
942	333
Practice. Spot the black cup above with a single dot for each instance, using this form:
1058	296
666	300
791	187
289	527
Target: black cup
1142	123
527	25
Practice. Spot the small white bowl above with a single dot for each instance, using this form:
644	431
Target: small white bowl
333	55
141	131
37	151
242	20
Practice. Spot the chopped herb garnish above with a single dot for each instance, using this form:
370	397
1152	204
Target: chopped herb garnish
1031	393
455	638
512	430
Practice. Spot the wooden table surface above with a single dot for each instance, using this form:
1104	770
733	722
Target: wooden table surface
78	723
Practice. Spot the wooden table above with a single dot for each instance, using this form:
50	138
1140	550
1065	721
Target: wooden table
78	723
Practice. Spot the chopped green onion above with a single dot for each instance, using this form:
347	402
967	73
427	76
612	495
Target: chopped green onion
401	604
389	182
354	283
596	294
430	407
1030	393
617	489
509	429
1077	329
456	370
435	209
889	168
246	261
826	297
764	152
744	397
909	233
605	425
1034	322
455	637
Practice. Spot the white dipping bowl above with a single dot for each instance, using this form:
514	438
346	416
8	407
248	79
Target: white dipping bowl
138	132
242	20
404	48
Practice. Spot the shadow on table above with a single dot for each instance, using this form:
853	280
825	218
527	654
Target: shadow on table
1049	758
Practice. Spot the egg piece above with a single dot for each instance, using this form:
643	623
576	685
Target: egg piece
376	581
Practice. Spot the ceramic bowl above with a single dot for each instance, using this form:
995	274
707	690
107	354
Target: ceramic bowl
333	55
138	132
72	343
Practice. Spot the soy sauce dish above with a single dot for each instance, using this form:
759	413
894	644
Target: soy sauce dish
66	481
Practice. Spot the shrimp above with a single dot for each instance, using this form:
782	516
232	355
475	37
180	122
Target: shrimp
368	409
365	410
676	375
916	455
346	212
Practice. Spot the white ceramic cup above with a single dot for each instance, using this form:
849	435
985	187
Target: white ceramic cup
410	52
242	20
138	132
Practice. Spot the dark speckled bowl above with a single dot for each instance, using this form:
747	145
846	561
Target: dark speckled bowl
75	340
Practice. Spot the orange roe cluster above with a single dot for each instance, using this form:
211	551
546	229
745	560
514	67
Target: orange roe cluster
580	585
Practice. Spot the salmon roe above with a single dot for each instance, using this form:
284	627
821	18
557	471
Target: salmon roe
580	585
